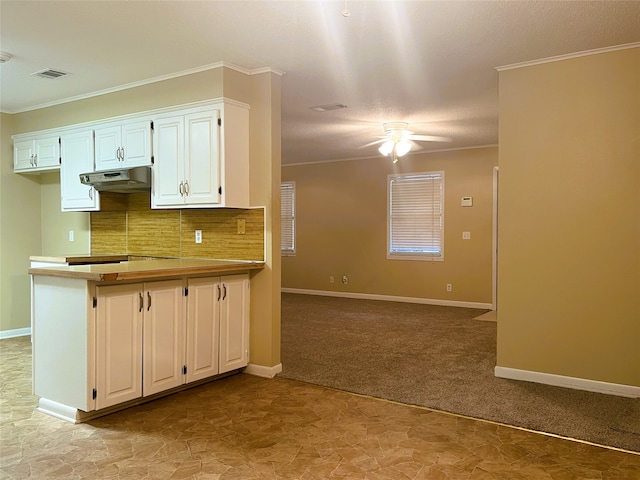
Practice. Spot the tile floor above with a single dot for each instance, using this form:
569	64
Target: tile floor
245	427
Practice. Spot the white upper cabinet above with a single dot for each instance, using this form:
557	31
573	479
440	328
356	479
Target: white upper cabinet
202	158
120	145
77	157
36	154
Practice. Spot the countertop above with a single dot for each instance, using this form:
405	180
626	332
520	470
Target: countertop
80	259
148	269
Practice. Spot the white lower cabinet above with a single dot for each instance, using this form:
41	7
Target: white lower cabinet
217	325
148	339
119	345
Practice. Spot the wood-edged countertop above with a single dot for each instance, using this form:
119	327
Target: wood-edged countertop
148	269
80	259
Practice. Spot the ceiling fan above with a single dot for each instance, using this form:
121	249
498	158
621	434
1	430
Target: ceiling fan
398	141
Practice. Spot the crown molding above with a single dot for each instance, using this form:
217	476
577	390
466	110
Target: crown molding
567	56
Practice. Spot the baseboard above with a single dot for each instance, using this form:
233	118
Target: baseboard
18	332
388	298
568	382
262	371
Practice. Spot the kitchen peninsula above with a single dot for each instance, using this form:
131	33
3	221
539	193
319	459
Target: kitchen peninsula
112	335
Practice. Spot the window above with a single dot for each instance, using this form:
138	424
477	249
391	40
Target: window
416	216
288	218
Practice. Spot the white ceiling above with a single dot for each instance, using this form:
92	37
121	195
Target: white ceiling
430	63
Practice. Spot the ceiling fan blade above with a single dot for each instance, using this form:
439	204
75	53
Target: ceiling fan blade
374	143
429	138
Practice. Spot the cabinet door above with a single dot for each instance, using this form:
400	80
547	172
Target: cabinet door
168	170
136	144
77	158
203	325
234	322
163	336
108	144
202	163
47	152
23	155
118	344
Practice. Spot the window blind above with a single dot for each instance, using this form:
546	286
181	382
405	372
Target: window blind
287	217
416	216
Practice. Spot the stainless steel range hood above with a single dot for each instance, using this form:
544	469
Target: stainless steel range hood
125	180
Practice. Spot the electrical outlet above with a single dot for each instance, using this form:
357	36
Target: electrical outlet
466	235
198	236
448	287
241	226
71	236
331	279
345	279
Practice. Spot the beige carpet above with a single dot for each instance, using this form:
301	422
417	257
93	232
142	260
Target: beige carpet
437	357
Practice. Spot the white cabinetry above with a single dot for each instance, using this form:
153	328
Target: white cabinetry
202	158
234	322
217	325
77	157
36	154
97	346
139	340
123	145
118	345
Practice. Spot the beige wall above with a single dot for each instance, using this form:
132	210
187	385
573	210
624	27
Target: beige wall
569	218
265	190
20	234
341	228
32	227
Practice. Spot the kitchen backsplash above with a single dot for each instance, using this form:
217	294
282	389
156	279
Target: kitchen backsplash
126	224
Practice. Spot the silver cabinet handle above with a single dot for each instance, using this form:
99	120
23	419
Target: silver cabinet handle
35	160
91	193
149	301
186	187
31	160
122	154
181	188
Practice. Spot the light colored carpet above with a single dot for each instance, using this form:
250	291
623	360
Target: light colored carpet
437	357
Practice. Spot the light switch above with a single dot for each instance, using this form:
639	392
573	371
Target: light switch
198	236
71	236
241	226
466	235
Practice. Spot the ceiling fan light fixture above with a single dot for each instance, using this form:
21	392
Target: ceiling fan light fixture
386	148
403	147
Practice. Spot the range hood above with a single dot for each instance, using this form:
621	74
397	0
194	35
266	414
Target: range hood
123	180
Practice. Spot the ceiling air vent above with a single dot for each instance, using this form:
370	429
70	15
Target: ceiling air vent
326	108
50	73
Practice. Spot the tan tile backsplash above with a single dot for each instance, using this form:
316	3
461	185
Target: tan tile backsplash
171	233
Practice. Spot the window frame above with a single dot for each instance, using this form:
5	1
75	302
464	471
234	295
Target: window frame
416	255
288	252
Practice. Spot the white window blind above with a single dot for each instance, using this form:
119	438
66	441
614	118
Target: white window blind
288	218
416	216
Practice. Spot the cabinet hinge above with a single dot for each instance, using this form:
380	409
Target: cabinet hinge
219	122
184	369
95	302
186	291
94	394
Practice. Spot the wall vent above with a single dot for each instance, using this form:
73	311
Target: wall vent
50	73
